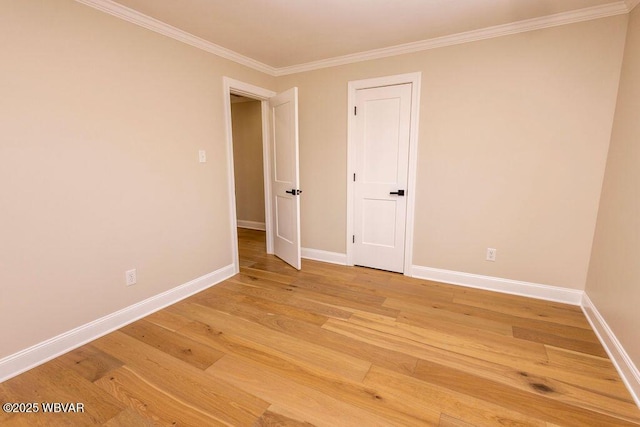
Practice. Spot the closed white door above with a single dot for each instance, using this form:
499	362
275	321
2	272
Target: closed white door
382	129
285	176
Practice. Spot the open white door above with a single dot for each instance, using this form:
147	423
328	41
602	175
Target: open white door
285	177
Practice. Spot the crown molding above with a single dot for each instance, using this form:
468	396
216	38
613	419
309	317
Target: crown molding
135	17
586	14
111	7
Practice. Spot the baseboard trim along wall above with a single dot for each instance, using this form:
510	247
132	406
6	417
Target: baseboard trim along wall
38	354
252	225
621	360
324	256
497	284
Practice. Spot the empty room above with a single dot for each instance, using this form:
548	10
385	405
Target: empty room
330	213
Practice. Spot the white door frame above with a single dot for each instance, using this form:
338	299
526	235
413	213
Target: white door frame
414	79
245	89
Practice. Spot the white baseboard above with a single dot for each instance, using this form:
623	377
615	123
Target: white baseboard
38	354
324	256
621	360
252	225
497	284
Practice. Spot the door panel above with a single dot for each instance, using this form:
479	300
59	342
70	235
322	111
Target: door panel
382	132
376	214
286	218
285	176
380	140
284	143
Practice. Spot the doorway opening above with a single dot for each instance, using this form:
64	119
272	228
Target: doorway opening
248	167
258	99
279	129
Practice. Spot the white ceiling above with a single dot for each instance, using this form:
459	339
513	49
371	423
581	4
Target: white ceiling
285	33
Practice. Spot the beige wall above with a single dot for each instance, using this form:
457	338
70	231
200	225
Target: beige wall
613	284
246	118
101	122
512	147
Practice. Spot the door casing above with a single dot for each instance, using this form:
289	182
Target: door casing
353	86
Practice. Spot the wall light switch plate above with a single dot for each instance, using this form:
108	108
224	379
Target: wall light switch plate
202	156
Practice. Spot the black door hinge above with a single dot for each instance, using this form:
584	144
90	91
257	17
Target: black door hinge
353	240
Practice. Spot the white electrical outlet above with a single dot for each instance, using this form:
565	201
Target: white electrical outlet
202	156
130	277
491	254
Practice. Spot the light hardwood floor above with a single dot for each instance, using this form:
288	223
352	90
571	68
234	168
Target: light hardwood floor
335	346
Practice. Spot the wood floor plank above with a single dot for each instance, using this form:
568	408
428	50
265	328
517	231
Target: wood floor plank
420	394
331	299
332	362
153	403
338	289
526	382
449	421
496	315
167	320
176	345
72	387
526	308
276	289
490	347
291	398
253	306
586	347
314	334
54	382
275	265
26	420
586	371
581	362
351	392
128	418
540	406
536	376
327	270
391	287
6	396
273	419
89	362
417	314
389	359
276	277
188	384
283	296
